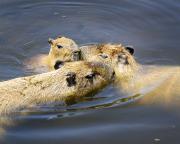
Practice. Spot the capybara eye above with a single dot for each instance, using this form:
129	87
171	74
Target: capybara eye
91	75
104	56
59	46
71	79
76	52
58	64
130	49
76	55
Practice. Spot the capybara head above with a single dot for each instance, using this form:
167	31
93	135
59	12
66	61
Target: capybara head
62	50
119	58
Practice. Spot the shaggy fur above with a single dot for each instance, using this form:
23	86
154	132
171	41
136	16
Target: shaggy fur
62	49
53	86
104	53
109	54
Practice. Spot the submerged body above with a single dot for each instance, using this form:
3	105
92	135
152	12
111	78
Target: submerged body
148	77
159	84
132	77
74	79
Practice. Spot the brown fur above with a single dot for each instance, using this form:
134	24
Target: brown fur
167	93
88	53
158	84
44	63
52	86
122	71
64	54
135	78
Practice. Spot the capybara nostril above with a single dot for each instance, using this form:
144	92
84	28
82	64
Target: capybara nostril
58	64
71	79
122	56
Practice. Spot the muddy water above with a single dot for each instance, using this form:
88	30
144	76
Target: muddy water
152	27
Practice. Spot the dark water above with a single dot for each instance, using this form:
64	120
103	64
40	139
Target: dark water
152	27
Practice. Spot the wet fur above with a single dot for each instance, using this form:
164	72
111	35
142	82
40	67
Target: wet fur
43	63
52	86
94	53
89	53
132	77
135	78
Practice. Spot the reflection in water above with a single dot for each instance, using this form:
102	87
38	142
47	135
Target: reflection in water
151	26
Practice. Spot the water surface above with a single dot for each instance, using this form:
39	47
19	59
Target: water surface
152	27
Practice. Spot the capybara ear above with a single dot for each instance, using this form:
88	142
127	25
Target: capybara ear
58	64
50	41
130	49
